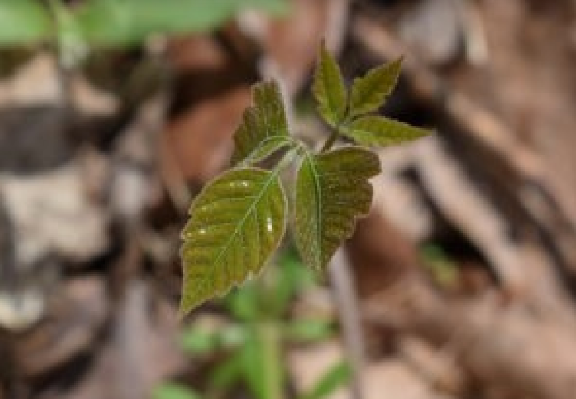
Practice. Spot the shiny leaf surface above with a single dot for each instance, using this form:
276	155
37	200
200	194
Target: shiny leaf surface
332	190
381	131
328	88
371	90
264	129
235	225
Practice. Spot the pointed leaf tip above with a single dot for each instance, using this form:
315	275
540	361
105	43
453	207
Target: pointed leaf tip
236	223
264	128
370	91
382	131
329	89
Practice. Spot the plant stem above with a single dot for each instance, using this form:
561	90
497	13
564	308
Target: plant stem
332	139
272	379
344	296
346	301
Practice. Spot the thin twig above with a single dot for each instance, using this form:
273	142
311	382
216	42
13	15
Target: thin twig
346	301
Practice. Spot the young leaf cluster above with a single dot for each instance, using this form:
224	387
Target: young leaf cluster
239	219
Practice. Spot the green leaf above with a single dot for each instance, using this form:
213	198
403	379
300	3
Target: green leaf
198	341
332	380
371	90
235	224
225	375
329	89
264	129
243	302
129	22
23	22
292	278
309	330
381	131
332	190
172	390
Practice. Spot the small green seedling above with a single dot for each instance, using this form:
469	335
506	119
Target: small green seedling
238	220
251	346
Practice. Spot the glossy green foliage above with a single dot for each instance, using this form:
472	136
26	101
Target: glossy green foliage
329	89
332	190
235	225
332	187
375	130
23	22
371	90
264	129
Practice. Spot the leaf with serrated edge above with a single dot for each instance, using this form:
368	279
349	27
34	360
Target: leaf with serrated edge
371	90
235	225
328	88
332	190
264	129
381	131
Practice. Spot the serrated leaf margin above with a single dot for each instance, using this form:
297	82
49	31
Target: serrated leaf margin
329	89
264	127
375	130
369	92
319	260
187	303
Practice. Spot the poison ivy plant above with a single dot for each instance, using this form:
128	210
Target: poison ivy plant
238	220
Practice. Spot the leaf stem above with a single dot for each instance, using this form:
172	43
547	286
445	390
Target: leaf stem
332	139
345	298
286	160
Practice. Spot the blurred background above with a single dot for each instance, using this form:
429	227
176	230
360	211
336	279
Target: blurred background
460	284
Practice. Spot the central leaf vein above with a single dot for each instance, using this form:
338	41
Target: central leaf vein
237	230
318	194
